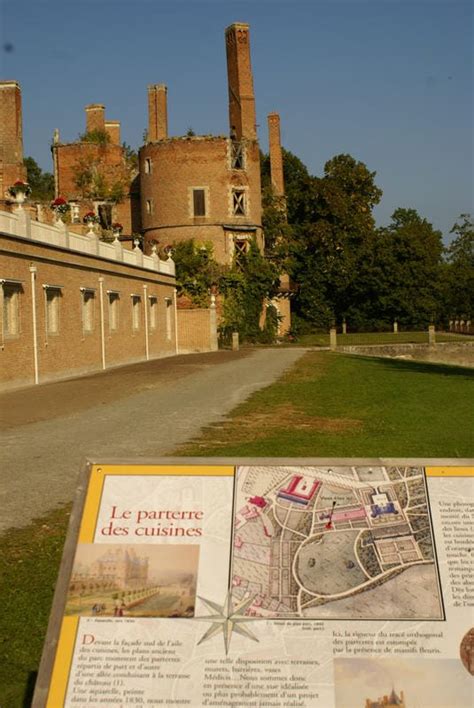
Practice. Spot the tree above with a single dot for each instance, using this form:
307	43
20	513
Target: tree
334	222
459	270
400	274
41	183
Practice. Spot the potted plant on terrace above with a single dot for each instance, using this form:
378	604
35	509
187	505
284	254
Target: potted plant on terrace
19	192
90	219
117	229
60	208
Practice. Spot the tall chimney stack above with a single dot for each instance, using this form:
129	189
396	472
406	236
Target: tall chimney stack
112	128
157	112
276	159
95	117
11	135
240	82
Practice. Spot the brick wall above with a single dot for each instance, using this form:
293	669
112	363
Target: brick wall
74	350
196	331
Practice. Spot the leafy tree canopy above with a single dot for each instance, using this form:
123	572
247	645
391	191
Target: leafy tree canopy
41	183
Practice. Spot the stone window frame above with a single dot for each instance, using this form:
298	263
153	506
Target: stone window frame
113	309
88	309
10	307
244	190
148	166
232	147
207	201
52	311
153	310
149	206
136	301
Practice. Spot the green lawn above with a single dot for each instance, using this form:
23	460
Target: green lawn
362	338
328	405
29	564
342	405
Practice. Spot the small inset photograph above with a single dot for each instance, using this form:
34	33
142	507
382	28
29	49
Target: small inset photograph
125	580
401	683
467	651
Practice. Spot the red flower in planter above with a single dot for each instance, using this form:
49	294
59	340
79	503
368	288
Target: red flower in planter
59	201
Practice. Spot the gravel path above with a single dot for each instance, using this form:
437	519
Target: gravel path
145	410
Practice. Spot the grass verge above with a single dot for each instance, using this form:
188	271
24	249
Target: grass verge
29	565
342	405
363	338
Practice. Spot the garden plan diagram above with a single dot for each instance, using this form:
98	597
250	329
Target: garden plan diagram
334	542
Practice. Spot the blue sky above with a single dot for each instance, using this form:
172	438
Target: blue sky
388	81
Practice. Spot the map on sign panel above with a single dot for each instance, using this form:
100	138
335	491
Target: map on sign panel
334	543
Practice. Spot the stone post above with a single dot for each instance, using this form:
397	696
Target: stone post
155	258
235	341
138	252
431	336
344	326
395	326
118	248
213	324
333	338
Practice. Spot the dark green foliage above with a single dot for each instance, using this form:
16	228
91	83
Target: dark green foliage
399	275
345	267
245	286
459	270
196	270
269	332
41	183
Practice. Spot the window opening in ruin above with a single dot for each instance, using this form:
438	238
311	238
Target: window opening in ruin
11	309
136	300
241	248
114	299
88	299
238	202
199	202
153	311
75	217
52	298
147	165
149	206
237	155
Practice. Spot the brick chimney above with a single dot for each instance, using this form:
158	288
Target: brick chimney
112	128
95	117
276	159
240	82
11	135
157	112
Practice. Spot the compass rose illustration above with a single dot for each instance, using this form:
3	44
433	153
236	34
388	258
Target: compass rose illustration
227	619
